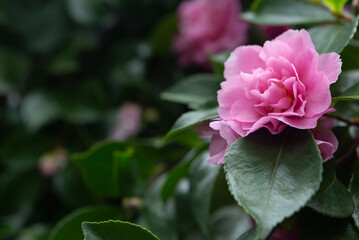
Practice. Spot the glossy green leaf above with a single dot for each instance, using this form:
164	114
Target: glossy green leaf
347	79
70	226
157	215
333	198
229	222
175	175
335	6
217	61
352	94
349	56
273	176
354	190
249	235
184	216
333	37
195	90
190	119
202	176
110	230
286	12
105	168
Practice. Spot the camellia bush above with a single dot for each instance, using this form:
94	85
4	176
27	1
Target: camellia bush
166	119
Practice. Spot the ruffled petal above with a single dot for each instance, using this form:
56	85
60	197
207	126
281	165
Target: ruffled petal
243	59
331	65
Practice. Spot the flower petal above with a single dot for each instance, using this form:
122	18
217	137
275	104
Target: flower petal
243	59
331	65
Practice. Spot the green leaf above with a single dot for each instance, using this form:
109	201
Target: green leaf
157	215
229	222
105	167
333	198
217	61
111	230
175	175
190	119
250	235
70	226
162	36
286	12
335	6
347	79
352	94
349	56
195	90
70	187
354	190
273	176
202	176
333	37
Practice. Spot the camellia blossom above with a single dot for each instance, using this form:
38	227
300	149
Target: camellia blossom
325	138
284	83
222	136
207	26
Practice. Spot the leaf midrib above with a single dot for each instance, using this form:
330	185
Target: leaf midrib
274	173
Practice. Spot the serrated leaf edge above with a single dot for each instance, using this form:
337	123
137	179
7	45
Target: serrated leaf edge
256	217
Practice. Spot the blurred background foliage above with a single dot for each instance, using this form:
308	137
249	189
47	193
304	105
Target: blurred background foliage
82	122
72	74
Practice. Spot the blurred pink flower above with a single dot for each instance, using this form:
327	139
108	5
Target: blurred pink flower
207	26
52	162
325	138
128	122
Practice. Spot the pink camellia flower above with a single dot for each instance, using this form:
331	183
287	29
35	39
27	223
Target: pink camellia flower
325	138
222	136
207	26
285	82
